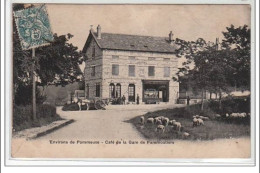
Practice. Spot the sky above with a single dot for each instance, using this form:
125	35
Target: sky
188	22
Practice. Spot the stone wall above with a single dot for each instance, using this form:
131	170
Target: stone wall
96	61
142	61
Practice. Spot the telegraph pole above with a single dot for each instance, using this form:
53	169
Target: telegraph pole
33	86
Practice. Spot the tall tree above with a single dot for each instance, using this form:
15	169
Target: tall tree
57	63
237	40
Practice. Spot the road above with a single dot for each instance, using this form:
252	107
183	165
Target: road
110	129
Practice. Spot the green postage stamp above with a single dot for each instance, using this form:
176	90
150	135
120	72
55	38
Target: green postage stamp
33	27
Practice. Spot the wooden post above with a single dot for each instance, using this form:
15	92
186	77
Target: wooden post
33	86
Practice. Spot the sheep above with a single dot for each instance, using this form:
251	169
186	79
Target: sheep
240	115
195	122
165	121
227	115
150	120
156	119
142	119
171	122
185	134
161	117
200	121
204	118
217	116
197	116
160	128
158	122
177	125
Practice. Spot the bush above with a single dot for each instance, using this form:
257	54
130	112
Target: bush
22	116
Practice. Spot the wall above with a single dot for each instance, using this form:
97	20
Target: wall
141	71
96	61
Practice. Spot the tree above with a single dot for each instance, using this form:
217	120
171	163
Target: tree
57	63
237	41
217	70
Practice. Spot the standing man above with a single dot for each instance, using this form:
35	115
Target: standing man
188	100
137	99
123	99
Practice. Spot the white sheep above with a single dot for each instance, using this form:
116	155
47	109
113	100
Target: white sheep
171	122
217	116
177	125
227	115
150	120
159	122
160	128
161	117
142	119
185	134
195	122
165	121
200	121
156	119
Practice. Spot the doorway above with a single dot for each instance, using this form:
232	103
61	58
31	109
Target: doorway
131	93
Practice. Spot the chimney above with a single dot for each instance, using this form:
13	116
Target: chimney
171	36
98	32
91	28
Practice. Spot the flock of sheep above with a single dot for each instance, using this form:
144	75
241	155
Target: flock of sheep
237	115
163	122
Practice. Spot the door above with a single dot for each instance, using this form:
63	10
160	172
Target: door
131	93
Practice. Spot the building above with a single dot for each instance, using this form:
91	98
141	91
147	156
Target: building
130	65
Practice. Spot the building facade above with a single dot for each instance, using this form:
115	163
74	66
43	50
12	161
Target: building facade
132	66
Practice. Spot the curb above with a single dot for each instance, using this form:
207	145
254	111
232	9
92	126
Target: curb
45	132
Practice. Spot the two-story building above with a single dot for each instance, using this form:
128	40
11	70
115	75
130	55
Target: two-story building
130	65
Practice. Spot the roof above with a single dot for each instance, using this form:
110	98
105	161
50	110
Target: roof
132	43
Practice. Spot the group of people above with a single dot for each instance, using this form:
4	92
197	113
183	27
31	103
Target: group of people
121	100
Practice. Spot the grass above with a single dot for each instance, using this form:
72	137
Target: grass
22	116
212	129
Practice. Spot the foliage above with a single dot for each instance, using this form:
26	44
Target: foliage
22	116
23	95
55	64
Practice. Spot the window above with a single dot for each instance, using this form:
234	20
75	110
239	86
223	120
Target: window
93	52
93	70
97	90
166	71
151	58
166	59
150	70
114	57
131	58
111	90
118	90
87	91
115	69
131	70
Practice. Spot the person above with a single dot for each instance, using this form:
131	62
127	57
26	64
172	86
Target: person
137	99
123	99
188	100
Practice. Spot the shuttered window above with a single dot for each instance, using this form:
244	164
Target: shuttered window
115	69
150	70
131	70
166	71
97	89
